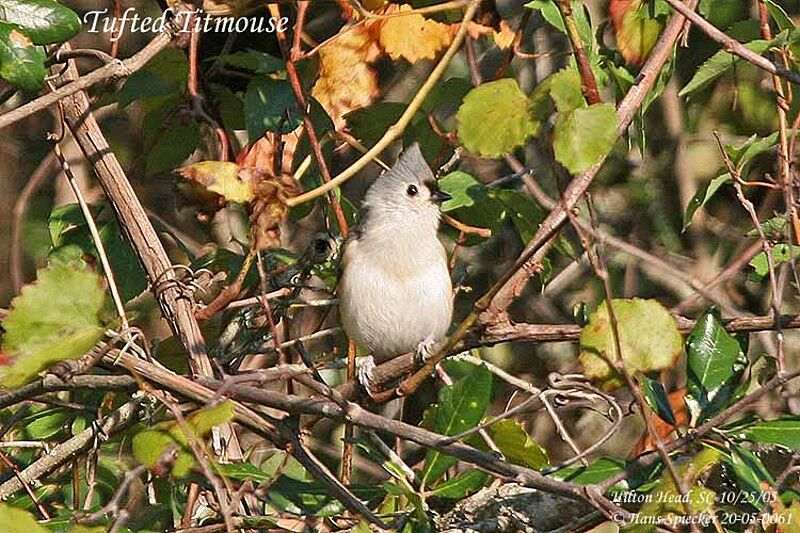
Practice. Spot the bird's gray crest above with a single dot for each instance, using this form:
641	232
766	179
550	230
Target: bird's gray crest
411	166
388	200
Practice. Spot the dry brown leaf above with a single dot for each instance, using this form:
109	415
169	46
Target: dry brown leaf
269	207
261	155
412	37
346	79
221	177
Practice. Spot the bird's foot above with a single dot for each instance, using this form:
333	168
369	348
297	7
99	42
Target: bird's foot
365	374
425	349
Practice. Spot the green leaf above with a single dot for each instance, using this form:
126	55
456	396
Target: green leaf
717	65
583	136
495	118
19	521
177	141
550	13
149	444
565	89
461	485
461	406
252	60
722	13
781	253
774	228
714	365
54	319
657	399
667	500
780	17
21	62
266	473
69	228
702	196
368	124
166	74
301	497
750	472
44	21
742	155
46	423
516	445
598	471
648	335
270	105
523	211
783	432
464	189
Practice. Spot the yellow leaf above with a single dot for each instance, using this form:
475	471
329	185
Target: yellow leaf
346	79
504	37
412	37
221	177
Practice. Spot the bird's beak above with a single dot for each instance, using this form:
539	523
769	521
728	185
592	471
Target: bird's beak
440	196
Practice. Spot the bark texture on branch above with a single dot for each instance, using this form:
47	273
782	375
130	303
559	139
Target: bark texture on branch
175	306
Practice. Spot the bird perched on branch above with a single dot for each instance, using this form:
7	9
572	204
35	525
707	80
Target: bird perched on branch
395	294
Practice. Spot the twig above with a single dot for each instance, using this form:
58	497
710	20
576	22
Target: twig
291	57
484	233
748	206
588	82
113	506
21	204
617	361
93	231
175	306
37	501
284	437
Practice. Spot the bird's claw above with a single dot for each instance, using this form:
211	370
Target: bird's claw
365	374
425	349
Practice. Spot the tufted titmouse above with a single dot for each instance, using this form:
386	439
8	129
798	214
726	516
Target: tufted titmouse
395	294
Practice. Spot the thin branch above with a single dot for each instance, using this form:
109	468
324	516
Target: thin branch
588	82
35	181
63	453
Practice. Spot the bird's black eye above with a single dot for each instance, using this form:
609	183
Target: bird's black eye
412	190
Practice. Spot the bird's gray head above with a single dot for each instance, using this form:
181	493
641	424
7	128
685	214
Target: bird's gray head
405	194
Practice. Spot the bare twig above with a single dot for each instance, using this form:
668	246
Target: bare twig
35	181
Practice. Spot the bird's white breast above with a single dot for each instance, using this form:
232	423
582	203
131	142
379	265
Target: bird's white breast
393	295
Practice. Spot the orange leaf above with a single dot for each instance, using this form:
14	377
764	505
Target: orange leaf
261	155
504	37
663	429
346	79
634	32
412	37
